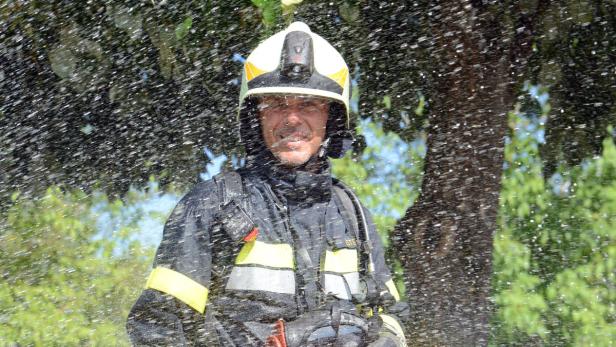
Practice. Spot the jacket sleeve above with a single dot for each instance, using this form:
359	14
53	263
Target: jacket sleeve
395	310
171	310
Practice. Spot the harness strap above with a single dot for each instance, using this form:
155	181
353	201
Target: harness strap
230	185
348	210
354	213
232	215
350	202
237	223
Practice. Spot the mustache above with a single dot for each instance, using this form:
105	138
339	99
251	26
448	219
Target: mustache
288	133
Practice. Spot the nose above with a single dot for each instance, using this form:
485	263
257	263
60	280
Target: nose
292	117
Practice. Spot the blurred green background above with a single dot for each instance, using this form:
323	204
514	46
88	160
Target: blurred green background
108	99
67	281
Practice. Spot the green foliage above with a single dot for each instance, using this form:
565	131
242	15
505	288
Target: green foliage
63	283
555	251
183	28
124	90
270	11
103	75
554	255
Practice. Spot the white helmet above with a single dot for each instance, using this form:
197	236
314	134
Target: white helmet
298	61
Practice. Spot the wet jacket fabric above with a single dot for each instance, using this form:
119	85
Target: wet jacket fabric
214	286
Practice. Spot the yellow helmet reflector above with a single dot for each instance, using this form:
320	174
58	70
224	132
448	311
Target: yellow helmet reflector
252	71
179	286
340	77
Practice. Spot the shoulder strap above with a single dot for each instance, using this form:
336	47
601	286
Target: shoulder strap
229	185
355	214
349	215
233	204
350	202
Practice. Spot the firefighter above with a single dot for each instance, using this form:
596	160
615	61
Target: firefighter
277	253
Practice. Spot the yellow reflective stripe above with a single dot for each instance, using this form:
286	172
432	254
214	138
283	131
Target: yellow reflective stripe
391	324
266	254
340	76
180	286
252	71
391	286
341	260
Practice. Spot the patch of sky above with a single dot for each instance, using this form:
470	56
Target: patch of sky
390	154
238	58
153	208
527	128
538	92
215	164
531	125
389	159
542	96
146	211
560	184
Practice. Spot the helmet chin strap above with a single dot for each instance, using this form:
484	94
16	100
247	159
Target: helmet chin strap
323	149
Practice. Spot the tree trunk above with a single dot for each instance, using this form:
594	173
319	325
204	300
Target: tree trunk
445	239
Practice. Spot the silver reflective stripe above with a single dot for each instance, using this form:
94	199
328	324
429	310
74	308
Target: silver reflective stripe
352	280
258	278
335	284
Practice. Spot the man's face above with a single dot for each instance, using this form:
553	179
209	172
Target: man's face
293	127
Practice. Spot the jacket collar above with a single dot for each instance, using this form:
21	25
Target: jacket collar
308	183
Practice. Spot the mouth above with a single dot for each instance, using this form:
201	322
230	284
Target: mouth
291	138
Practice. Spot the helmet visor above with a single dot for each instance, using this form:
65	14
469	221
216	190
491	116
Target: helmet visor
307	105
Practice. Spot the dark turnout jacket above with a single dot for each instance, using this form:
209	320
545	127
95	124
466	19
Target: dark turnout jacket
222	275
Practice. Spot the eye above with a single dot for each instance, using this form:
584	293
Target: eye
311	106
271	106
